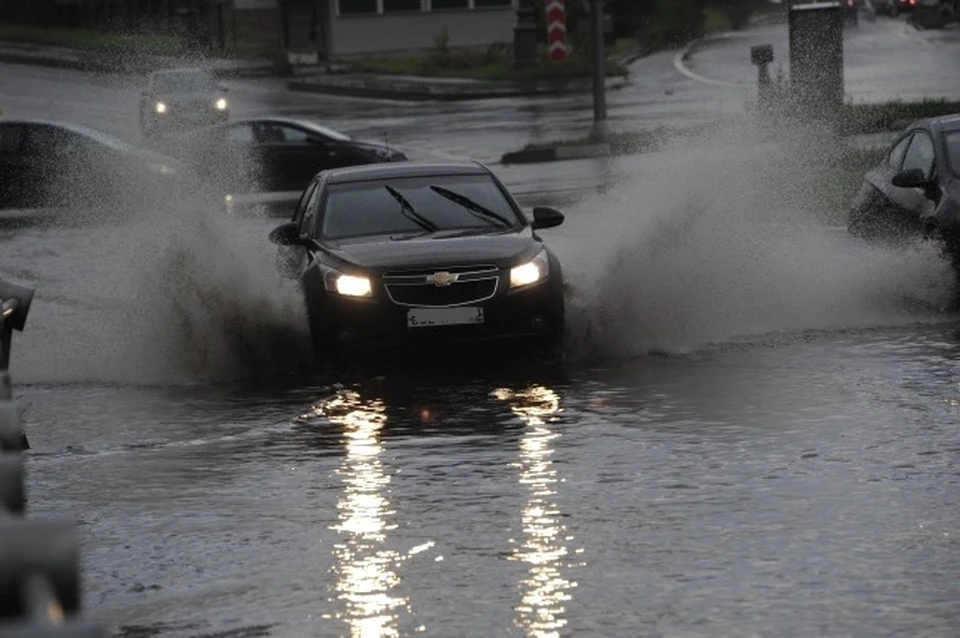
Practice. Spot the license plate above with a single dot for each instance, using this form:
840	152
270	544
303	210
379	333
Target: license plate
427	317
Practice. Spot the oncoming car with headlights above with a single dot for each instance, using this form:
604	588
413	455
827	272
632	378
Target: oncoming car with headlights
181	98
421	254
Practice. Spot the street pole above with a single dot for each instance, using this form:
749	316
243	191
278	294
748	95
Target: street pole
524	36
600	128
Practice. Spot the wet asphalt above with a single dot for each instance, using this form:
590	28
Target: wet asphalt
753	431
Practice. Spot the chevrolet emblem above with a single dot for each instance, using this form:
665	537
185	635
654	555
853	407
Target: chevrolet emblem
442	278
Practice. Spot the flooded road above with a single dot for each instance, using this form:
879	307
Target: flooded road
753	433
802	488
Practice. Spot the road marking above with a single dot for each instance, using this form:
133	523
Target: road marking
678	64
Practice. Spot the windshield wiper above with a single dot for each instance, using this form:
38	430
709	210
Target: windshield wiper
477	209
407	209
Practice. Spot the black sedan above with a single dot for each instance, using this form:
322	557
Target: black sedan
54	164
181	99
886	7
421	254
273	153
915	190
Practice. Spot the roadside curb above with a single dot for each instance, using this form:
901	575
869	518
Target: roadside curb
681	58
556	153
399	88
873	140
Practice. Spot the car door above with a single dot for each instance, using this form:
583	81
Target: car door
290	259
917	203
877	209
293	154
308	153
49	164
231	157
15	189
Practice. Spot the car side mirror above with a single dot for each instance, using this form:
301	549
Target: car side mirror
910	178
287	235
546	217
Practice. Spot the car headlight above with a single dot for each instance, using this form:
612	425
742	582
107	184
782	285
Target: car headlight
537	269
160	107
164	169
347	285
221	104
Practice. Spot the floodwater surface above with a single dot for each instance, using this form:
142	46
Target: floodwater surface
753	433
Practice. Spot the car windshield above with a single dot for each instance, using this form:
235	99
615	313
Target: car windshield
416	206
185	82
953	150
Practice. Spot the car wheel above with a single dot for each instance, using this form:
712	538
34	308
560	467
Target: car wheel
860	223
949	245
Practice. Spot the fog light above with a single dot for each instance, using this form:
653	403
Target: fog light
221	104
160	107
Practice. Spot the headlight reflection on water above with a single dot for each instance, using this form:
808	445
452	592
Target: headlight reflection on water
366	572
545	591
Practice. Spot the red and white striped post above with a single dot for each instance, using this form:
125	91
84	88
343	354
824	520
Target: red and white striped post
556	30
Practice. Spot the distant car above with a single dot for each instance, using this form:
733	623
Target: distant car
55	164
915	190
273	153
906	6
421	254
889	8
181	98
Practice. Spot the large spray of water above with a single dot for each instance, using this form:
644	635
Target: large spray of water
168	290
713	242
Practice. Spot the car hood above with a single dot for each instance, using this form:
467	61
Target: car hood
438	252
188	97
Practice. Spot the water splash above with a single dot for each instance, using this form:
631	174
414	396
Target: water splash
716	242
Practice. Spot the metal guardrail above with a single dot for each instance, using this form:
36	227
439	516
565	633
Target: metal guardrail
39	559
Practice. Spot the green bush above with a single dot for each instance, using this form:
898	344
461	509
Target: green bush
32	12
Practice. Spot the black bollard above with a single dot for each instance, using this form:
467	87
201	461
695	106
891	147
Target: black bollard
11	483
30	550
762	56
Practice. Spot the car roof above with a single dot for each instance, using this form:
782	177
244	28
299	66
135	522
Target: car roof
96	135
293	121
946	123
398	170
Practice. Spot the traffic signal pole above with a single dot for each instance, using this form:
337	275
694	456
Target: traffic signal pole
600	128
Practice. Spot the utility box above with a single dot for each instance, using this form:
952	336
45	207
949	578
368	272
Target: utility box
816	56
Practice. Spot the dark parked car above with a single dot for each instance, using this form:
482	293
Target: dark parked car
273	154
181	98
889	8
416	253
915	190
54	164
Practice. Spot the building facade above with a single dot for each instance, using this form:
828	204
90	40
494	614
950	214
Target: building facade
389	27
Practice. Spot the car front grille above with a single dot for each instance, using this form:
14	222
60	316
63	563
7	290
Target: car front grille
416	288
